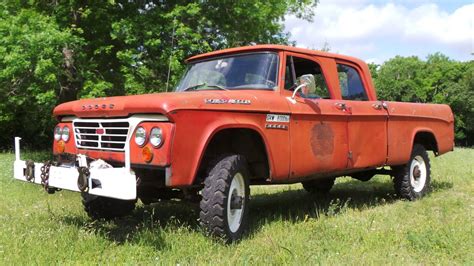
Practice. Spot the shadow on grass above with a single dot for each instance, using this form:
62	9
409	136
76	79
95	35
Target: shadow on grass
144	225
298	205
147	223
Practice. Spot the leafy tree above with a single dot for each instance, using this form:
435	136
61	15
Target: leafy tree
437	80
31	73
131	45
57	51
400	79
373	68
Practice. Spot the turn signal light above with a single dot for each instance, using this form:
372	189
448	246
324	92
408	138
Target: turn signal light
60	146
147	154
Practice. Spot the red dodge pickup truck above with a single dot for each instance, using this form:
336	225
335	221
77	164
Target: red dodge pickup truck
265	114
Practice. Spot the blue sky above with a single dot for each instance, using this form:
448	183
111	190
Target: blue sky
378	30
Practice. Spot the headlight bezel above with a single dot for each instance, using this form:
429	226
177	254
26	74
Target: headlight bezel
156	134
65	134
58	132
140	136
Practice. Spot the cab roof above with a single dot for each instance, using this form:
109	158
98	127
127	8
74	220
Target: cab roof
273	47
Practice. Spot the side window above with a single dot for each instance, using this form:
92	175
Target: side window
304	67
351	84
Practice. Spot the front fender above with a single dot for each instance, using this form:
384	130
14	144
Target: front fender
195	129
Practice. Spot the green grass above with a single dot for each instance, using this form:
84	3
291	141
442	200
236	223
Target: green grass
359	223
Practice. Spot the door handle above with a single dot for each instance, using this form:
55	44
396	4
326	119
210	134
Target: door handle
380	105
341	106
377	106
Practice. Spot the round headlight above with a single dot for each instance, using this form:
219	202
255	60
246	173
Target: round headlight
140	136
57	133
156	137
65	134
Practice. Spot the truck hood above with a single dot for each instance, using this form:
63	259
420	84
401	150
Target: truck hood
122	106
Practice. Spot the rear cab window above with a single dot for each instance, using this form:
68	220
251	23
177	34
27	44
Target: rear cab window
351	84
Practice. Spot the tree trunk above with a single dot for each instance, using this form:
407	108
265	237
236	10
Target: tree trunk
72	82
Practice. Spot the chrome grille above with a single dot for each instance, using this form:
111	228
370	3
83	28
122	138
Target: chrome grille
101	135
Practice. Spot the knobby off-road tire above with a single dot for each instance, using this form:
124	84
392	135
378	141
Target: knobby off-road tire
412	180
318	186
225	199
107	208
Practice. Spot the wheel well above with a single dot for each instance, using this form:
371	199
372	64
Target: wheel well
243	141
428	140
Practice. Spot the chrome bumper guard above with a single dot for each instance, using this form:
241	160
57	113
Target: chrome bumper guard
119	183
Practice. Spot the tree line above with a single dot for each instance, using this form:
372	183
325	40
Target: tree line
52	52
438	79
56	51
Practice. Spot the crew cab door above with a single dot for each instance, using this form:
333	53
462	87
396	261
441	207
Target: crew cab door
318	130
367	125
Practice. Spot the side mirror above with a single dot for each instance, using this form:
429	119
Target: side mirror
305	84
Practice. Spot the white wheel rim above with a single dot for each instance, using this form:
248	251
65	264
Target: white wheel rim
237	189
418	173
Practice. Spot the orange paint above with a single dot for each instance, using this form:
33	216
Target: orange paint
322	136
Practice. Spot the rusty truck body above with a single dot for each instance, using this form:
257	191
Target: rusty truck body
256	115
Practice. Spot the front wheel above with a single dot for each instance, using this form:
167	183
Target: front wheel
412	180
225	199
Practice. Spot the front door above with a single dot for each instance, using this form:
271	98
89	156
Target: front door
318	129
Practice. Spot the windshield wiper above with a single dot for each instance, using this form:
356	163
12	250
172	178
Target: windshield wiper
217	86
195	87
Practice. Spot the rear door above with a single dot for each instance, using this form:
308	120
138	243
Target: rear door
367	126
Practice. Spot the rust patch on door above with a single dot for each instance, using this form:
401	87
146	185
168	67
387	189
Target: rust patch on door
322	140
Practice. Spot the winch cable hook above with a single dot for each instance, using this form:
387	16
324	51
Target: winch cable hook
83	179
84	173
30	171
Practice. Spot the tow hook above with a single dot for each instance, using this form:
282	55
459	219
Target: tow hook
30	171
83	179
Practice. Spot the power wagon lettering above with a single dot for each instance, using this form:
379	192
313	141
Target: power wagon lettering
229	101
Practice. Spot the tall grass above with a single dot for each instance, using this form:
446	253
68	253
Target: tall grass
358	223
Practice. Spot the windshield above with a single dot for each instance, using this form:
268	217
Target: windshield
249	71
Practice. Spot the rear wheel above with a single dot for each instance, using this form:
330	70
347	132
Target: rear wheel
107	208
319	186
412	180
225	199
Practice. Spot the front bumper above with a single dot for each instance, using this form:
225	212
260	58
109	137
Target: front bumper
119	183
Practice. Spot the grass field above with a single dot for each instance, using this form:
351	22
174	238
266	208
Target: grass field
358	223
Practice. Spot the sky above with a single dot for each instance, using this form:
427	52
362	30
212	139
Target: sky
376	31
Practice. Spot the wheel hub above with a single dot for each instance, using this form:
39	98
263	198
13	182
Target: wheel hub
416	172
236	202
